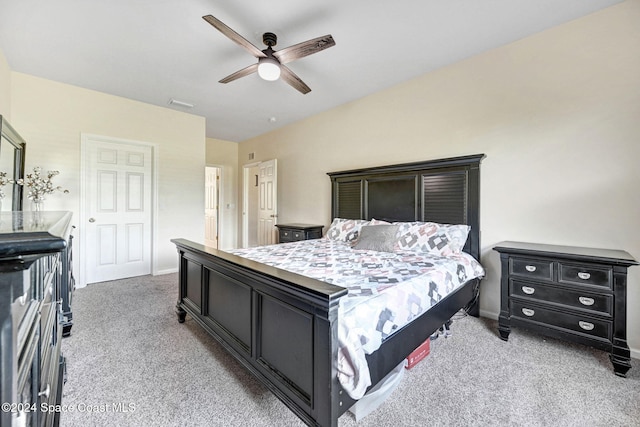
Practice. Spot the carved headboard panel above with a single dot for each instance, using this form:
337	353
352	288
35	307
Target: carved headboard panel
445	191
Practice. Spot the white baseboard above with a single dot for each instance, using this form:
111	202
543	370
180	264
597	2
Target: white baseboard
167	271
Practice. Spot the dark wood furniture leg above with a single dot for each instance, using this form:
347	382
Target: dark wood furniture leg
181	313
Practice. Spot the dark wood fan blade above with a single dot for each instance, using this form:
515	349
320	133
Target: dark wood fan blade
224	29
289	77
303	49
241	73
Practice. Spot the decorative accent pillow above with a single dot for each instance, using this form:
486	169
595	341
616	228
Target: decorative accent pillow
345	230
438	239
378	238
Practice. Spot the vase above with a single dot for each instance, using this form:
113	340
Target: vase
37	204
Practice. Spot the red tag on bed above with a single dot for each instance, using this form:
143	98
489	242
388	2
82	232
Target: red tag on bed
418	354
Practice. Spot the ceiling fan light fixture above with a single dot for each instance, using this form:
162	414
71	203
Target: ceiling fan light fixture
268	69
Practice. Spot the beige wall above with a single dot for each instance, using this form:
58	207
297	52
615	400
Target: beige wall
5	87
224	154
52	116
556	114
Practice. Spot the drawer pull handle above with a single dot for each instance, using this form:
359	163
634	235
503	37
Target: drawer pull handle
584	276
528	312
586	300
23	299
528	290
587	326
530	268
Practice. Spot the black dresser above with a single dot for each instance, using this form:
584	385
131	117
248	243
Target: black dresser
572	293
34	247
297	232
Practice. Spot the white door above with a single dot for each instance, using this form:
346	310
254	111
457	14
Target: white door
211	208
118	209
268	203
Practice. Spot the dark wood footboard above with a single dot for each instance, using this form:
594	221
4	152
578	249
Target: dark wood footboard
279	325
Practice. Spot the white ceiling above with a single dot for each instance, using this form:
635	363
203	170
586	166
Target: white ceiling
155	50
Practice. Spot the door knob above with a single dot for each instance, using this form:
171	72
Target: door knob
92	220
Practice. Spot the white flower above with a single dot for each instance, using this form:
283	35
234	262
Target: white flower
3	181
39	185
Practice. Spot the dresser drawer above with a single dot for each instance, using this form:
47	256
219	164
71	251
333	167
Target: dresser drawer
532	268
585	325
584	275
597	303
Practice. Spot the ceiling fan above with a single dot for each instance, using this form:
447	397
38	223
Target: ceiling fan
270	65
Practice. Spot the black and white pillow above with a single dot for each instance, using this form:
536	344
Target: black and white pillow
345	230
431	237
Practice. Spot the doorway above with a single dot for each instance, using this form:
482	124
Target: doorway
117	208
212	186
260	200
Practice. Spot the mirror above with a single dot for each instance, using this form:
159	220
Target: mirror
12	152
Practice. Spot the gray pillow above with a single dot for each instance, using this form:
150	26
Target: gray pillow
377	238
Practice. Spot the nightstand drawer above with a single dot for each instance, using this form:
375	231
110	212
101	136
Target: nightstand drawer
596	303
297	232
583	324
585	275
532	268
286	236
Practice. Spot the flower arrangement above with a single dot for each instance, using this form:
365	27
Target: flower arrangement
39	185
3	181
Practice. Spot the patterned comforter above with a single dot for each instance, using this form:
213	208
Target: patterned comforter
385	291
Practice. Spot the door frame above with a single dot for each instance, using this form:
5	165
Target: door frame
220	190
85	141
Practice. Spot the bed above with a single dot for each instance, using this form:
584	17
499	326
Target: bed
257	311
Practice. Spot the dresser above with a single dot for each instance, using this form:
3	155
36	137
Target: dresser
297	232
571	293
34	247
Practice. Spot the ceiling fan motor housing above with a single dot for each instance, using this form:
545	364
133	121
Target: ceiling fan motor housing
269	39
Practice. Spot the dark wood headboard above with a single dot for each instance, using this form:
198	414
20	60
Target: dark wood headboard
446	191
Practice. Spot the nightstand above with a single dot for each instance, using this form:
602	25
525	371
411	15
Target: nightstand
296	232
571	293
